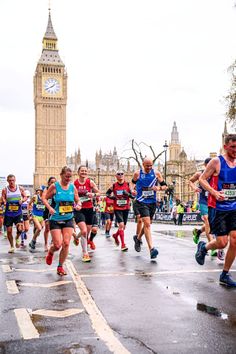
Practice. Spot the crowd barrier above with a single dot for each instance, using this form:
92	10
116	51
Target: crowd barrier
188	218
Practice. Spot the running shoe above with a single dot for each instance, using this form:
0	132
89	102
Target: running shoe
11	250
49	258
86	258
107	234
92	245
201	253
221	255
137	244
124	248
61	271
225	279
153	253
213	253
18	242
32	245
196	236
117	242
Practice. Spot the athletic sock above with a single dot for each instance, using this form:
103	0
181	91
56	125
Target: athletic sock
84	244
122	237
92	235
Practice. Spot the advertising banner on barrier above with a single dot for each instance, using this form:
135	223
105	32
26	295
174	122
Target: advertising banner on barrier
166	217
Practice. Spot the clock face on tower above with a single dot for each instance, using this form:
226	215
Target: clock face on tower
51	86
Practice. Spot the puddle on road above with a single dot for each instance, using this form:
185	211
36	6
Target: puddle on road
213	311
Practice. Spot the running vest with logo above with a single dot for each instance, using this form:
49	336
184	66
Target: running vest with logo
24	207
227	184
38	206
121	192
83	190
146	181
13	206
64	199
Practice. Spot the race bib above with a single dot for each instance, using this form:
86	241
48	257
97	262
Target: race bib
40	206
147	192
229	191
13	207
24	212
65	207
121	202
84	199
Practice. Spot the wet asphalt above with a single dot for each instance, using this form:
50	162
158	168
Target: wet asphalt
167	305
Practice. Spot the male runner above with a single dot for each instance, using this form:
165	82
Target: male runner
224	223
146	180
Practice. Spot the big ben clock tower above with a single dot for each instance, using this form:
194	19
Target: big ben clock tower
50	97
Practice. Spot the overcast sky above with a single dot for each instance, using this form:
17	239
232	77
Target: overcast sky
134	67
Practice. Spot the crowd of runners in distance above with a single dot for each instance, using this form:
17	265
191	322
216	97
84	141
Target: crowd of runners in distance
67	210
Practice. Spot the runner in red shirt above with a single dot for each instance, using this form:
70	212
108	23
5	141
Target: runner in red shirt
120	192
87	190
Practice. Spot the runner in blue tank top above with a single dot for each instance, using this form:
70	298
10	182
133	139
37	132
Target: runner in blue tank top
147	182
61	220
13	196
224	224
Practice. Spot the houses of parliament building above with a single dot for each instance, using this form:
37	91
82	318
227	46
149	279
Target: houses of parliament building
50	100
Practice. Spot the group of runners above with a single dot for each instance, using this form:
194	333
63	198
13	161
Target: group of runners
67	210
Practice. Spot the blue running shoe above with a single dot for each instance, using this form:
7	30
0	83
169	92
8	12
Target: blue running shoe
226	280
153	253
201	253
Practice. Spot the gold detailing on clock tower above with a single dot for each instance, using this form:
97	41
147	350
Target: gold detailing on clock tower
50	98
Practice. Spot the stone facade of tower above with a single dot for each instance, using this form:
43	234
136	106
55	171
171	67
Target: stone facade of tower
50	98
180	168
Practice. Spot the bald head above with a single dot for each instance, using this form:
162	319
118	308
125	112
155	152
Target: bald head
147	164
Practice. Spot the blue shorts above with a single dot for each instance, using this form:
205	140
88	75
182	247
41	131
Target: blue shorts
203	209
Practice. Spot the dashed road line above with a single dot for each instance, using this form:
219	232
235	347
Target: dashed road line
6	268
27	329
57	314
33	270
99	323
49	285
12	287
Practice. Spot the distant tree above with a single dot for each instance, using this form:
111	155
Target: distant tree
231	98
138	153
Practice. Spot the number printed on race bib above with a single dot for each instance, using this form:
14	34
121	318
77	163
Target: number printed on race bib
13	207
65	207
147	194
229	190
121	202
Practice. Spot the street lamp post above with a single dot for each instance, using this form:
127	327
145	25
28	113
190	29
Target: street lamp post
165	146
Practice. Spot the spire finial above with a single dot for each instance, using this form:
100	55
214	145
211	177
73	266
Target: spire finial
49	6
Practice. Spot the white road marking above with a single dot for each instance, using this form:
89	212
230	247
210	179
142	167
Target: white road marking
164	272
58	314
12	287
33	270
99	323
49	285
6	268
27	329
